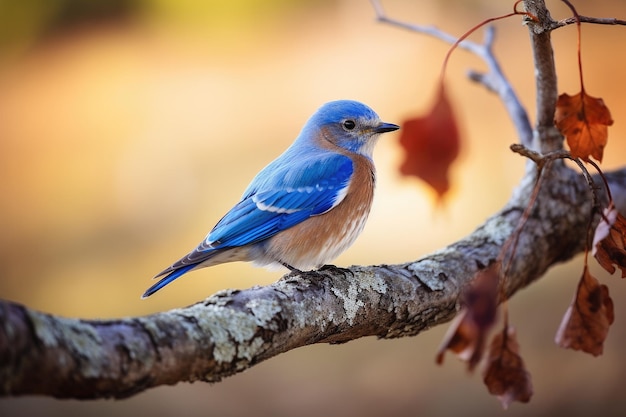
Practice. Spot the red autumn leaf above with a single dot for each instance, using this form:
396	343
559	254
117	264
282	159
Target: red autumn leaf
505	374
467	333
609	241
586	322
584	121
431	144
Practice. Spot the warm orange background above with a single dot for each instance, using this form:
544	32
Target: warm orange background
122	142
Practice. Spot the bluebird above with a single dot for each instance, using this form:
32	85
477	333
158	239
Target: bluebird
304	208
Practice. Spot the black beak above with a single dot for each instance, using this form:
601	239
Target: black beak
386	127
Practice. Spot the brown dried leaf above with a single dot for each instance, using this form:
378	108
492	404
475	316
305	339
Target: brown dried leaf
431	143
609	241
460	338
505	374
584	121
586	322
467	334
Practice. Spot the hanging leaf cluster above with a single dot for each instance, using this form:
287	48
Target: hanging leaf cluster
431	143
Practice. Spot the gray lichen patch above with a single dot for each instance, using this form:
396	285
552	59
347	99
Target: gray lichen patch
365	282
73	335
498	229
81	336
370	281
428	271
249	351
264	311
233	332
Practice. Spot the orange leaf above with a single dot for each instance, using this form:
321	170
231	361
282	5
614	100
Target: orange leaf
586	322
505	374
431	144
609	241
584	121
467	333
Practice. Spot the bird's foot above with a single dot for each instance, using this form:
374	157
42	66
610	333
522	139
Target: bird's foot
316	275
336	269
292	270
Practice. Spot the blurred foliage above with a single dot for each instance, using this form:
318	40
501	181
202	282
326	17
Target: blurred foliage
24	23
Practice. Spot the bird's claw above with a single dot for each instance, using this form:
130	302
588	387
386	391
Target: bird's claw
336	269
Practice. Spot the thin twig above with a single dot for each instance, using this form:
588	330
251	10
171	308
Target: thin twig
510	246
494	80
539	158
604	180
542	159
585	19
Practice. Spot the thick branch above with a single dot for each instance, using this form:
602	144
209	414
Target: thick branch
233	330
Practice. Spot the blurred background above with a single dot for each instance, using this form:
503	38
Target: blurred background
128	127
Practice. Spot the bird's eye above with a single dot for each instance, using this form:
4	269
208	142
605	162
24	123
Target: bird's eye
349	124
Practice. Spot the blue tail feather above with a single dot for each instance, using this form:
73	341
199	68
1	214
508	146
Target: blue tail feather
167	279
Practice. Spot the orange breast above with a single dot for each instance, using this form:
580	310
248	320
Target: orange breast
322	238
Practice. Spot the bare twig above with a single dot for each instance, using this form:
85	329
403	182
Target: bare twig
494	80
586	19
543	159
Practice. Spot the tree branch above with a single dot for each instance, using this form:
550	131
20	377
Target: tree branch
234	330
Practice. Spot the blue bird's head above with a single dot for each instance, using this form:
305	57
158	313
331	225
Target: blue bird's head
348	124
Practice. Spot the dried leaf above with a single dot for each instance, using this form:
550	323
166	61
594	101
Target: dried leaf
460	338
586	322
584	121
609	241
431	144
505	374
467	334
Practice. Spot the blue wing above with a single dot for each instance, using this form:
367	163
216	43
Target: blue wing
281	197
